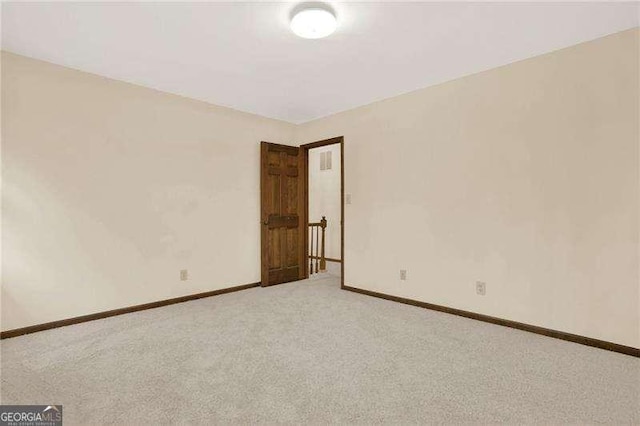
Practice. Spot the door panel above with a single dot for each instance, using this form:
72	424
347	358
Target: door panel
282	213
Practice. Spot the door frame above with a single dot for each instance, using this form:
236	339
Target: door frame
305	158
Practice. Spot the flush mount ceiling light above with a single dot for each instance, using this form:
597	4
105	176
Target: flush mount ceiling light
313	23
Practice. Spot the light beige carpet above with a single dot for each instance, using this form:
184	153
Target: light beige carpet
309	352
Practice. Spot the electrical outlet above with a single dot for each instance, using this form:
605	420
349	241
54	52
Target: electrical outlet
184	275
403	274
481	288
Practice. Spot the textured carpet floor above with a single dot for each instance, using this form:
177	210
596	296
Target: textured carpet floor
309	352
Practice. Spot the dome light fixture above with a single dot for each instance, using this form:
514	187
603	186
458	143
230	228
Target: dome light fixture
313	22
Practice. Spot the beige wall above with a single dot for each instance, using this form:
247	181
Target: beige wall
525	177
110	189
324	196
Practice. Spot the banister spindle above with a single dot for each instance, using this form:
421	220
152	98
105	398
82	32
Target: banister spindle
317	251
311	251
323	260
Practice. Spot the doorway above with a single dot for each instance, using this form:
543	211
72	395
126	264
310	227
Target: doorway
296	244
325	206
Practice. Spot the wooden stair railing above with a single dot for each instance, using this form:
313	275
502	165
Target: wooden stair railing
321	261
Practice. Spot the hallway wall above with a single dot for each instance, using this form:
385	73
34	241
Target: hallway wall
324	196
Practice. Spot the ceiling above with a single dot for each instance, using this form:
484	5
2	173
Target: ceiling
243	55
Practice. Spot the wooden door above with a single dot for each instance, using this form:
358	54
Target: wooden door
284	226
